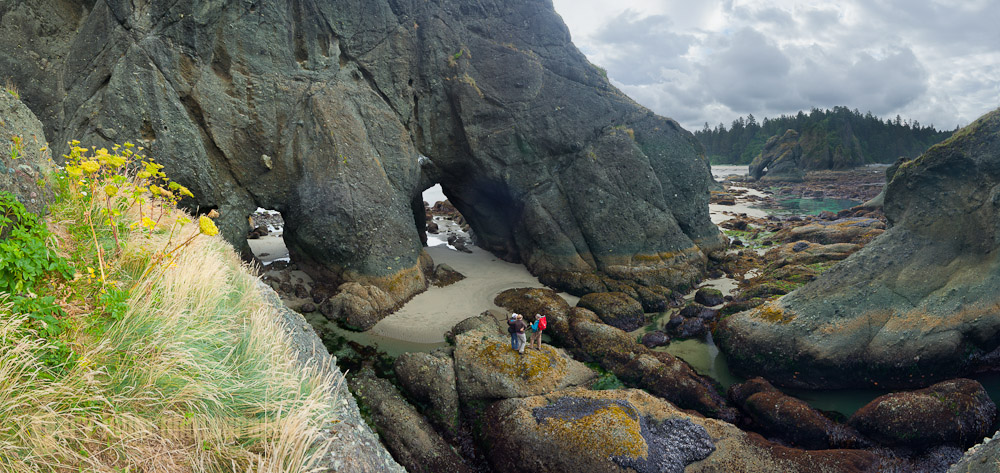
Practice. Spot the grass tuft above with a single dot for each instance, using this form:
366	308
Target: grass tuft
176	361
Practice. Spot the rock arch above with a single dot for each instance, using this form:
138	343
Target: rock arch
321	109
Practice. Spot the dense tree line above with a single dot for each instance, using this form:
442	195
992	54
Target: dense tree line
881	141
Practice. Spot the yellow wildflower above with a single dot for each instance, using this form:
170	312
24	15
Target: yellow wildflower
111	190
207	226
90	167
148	222
75	171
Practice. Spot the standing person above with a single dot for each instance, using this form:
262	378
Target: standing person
512	330
520	327
539	325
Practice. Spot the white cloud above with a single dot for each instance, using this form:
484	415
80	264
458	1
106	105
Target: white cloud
711	61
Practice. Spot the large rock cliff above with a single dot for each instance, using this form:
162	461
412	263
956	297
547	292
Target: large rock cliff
916	305
339	113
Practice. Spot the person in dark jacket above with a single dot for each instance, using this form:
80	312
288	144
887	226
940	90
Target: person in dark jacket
516	328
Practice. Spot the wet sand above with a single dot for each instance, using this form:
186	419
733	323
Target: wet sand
426	317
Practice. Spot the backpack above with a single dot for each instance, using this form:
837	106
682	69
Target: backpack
541	322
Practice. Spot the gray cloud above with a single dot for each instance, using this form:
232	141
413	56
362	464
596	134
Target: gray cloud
921	59
645	46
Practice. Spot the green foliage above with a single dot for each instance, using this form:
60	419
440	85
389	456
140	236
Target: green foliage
47	320
838	132
25	257
606	380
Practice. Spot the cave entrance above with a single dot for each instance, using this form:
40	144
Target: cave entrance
266	237
444	225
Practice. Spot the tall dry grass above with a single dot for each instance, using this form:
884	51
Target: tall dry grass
197	375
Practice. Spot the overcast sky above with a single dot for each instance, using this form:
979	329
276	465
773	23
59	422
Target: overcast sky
697	61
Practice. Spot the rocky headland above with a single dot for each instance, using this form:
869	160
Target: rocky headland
914	306
340	114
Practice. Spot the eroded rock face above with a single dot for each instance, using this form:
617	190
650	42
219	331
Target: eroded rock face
410	438
779	159
956	412
23	164
916	305
339	113
429	379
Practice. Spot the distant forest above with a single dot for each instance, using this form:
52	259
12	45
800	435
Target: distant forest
879	141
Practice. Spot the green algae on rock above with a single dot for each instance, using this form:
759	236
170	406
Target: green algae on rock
342	123
916	305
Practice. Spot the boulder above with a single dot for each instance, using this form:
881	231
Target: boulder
616	309
660	373
490	321
445	275
915	306
655	339
410	438
531	301
429	380
955	412
807	253
791	420
654	298
630	430
574	282
371	99
357	307
709	297
486	368
691	328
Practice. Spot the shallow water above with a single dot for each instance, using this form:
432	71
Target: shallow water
810	206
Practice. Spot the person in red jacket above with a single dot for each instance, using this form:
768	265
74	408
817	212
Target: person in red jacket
537	326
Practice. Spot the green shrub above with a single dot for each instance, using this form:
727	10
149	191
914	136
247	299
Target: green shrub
25	256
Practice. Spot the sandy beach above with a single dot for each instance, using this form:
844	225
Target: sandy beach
426	317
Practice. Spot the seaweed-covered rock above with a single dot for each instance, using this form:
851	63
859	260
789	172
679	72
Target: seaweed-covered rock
629	430
544	301
445	275
709	297
410	438
489	321
916	305
576	283
429	379
658	372
828	232
654	298
655	339
957	412
778	415
357	306
616	309
486	368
